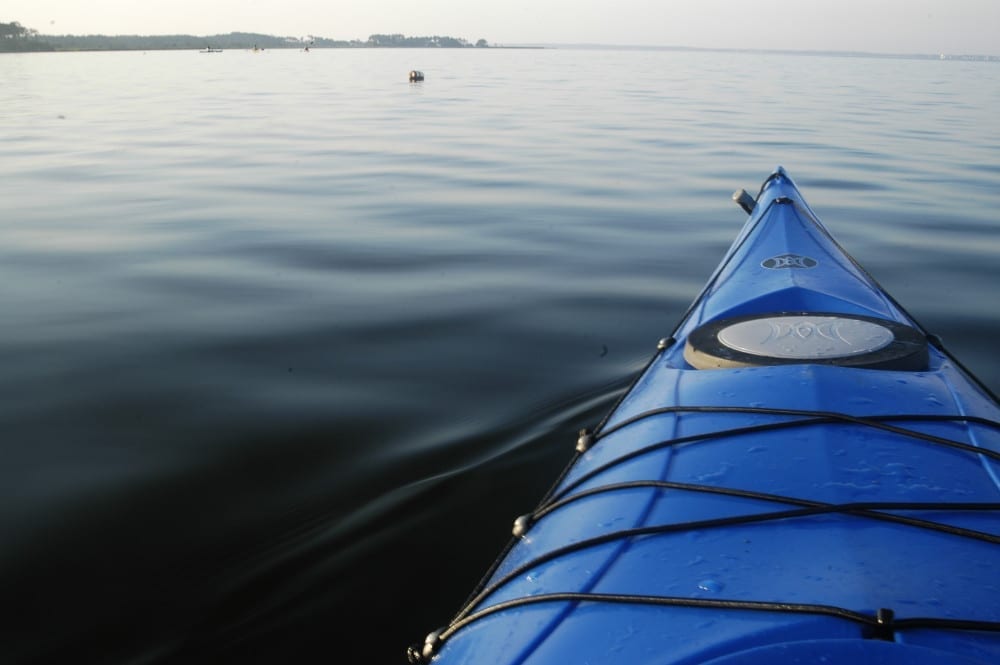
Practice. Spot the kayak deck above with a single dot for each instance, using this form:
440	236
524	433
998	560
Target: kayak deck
786	507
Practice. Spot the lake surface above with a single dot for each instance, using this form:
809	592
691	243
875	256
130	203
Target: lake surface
288	341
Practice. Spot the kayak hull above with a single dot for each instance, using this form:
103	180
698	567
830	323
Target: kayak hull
813	503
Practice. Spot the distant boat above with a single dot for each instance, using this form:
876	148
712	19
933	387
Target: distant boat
210	50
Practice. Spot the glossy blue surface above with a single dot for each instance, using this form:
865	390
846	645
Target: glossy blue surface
687	468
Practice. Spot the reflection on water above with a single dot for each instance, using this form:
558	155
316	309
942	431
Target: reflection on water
289	341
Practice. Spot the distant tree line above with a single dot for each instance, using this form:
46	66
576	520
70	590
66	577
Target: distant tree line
15	37
234	40
402	41
15	31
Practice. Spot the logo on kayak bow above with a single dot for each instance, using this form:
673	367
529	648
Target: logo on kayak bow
789	261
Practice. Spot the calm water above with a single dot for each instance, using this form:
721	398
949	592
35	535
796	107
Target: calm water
288	341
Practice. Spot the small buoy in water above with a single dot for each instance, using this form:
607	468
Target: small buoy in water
416	76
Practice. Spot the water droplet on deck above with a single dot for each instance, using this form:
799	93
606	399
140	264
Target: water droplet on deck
712	586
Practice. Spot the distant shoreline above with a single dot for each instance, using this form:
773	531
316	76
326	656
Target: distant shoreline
30	41
25	40
967	57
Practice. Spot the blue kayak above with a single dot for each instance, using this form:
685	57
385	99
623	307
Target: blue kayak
801	474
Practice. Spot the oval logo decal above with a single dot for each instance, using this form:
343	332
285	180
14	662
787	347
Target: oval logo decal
789	261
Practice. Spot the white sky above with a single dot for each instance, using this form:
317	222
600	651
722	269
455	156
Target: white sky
882	26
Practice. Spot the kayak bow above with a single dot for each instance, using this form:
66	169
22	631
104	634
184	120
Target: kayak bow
800	474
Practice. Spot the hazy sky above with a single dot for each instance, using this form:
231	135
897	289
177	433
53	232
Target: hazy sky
885	26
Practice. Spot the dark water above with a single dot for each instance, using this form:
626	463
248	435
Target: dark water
288	341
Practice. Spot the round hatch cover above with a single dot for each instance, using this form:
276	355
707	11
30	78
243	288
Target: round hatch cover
806	337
